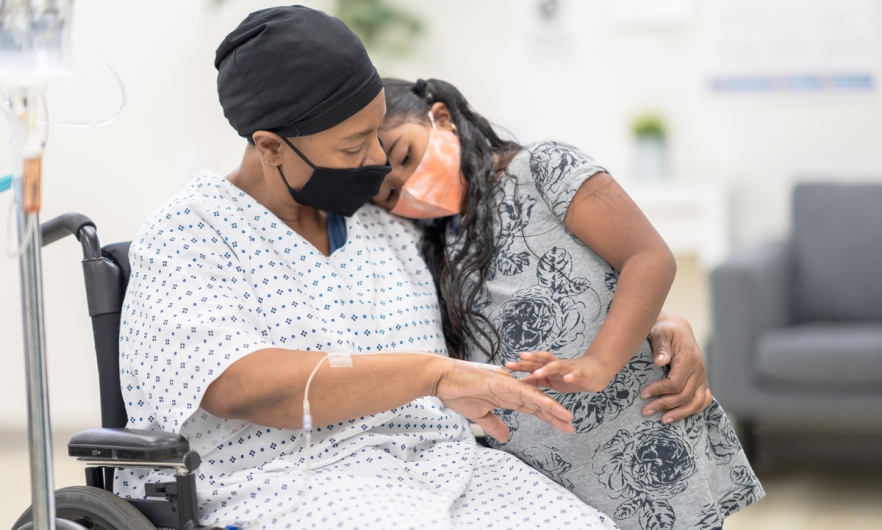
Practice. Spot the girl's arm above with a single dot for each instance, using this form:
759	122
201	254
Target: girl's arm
605	218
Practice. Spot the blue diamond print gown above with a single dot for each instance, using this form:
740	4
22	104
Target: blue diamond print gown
215	276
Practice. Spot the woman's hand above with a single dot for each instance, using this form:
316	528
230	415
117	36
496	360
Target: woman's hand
476	393
685	391
583	374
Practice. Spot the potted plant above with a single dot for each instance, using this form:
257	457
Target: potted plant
649	133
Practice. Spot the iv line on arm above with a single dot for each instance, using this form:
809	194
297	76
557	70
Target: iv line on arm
342	360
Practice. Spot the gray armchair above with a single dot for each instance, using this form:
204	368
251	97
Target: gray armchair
798	324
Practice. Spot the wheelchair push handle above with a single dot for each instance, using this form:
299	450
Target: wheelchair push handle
77	225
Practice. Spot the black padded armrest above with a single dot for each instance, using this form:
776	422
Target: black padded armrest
64	225
129	444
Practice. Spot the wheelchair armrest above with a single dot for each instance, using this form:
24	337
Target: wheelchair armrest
64	225
132	445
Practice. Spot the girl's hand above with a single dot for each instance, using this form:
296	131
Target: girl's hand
476	393
584	374
685	391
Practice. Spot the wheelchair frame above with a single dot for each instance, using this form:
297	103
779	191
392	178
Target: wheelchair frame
106	271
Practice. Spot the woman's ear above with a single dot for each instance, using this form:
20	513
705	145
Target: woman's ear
269	146
443	117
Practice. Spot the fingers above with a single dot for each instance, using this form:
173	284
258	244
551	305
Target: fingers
701	401
476	393
559	411
523	366
542	357
662	387
673	400
556	369
660	342
537	403
547	371
563	426
558	417
493	426
535	381
531	361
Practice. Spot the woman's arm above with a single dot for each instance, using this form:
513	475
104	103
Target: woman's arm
267	387
605	218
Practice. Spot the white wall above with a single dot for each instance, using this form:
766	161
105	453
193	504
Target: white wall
173	126
757	144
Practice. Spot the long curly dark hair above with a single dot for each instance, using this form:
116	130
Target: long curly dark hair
459	278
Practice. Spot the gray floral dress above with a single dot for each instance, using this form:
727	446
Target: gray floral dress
547	291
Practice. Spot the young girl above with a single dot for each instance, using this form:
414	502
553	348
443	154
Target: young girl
528	245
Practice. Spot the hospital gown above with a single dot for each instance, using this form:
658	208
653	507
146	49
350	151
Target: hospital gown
215	276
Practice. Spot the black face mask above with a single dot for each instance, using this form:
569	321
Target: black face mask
339	191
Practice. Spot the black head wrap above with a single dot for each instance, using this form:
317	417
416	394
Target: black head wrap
293	71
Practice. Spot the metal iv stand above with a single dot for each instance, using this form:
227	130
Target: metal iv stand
26	178
33	48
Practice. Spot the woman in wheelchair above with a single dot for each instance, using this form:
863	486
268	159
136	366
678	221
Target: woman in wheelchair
249	290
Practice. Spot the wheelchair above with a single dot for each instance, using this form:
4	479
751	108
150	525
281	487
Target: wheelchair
170	505
94	506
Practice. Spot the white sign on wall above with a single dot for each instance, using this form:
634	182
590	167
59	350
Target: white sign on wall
652	13
790	45
552	32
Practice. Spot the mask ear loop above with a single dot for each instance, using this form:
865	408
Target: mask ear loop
298	152
279	167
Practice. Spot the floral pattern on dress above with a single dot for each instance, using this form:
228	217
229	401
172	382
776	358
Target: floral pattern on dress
514	214
547	291
546	316
722	442
611	279
709	518
694	426
747	490
646	468
510	419
591	410
548	460
552	167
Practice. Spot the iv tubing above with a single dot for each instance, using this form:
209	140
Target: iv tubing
115	76
28	233
307	424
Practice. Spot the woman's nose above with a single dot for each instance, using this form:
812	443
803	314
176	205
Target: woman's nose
376	155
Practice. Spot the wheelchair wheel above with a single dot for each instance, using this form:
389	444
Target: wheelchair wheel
93	508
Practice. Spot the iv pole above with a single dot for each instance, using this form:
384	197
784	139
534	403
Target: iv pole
33	49
27	179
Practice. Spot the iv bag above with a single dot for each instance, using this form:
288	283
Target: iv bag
34	41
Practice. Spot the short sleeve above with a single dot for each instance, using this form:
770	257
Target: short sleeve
189	314
559	170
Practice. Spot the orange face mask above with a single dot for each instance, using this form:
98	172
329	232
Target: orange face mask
436	188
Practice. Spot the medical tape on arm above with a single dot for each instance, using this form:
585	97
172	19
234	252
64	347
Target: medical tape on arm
344	360
466	366
339	360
